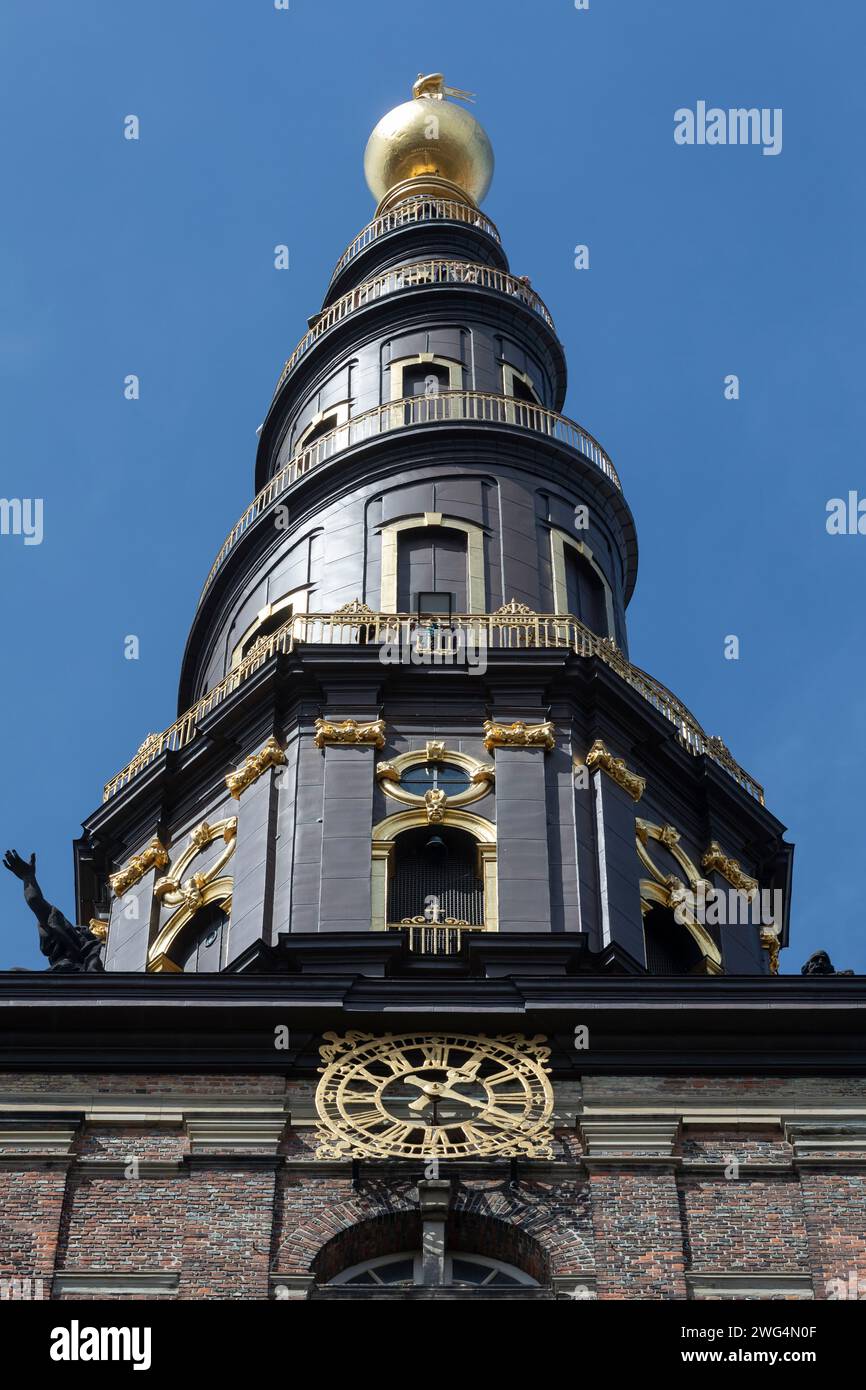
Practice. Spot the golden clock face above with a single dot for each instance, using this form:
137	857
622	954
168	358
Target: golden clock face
433	1095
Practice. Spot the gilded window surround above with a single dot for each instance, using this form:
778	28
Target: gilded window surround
159	959
385	834
665	889
558	541
297	600
474	557
172	889
481	774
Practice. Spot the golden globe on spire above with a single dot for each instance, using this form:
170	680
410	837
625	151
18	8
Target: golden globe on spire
429	145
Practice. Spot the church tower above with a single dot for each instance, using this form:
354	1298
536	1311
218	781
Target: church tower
440	940
409	731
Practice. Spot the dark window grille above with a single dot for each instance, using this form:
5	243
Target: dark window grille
448	880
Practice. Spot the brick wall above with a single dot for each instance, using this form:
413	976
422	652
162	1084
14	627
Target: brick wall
664	1188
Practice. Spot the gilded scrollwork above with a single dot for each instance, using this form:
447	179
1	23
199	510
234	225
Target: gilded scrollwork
599	757
251	769
154	856
715	858
174	890
350	731
519	734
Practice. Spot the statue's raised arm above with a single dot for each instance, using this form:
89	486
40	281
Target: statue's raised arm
68	947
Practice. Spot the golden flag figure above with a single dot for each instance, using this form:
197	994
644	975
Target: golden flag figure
433	86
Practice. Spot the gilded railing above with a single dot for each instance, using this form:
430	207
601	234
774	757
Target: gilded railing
415	210
510	629
447	406
410	276
434	939
183	730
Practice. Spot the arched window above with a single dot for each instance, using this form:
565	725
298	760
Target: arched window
463	1271
272	623
201	948
432	571
436	876
670	947
324	426
585	593
425	379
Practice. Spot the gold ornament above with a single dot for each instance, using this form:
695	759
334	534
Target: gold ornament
174	890
429	142
513	609
435	801
154	856
355	609
434	1095
715	858
518	735
251	769
349	731
598	756
771	944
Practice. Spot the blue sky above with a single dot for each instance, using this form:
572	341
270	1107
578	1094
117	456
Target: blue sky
156	257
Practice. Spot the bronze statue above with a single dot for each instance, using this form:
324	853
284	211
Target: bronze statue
68	948
819	963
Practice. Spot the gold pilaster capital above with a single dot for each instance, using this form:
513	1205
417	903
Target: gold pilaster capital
599	757
518	735
155	855
251	769
349	732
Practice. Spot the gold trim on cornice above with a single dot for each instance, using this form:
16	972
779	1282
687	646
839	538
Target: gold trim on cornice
518	735
251	769
770	941
598	756
349	731
154	856
99	927
715	858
